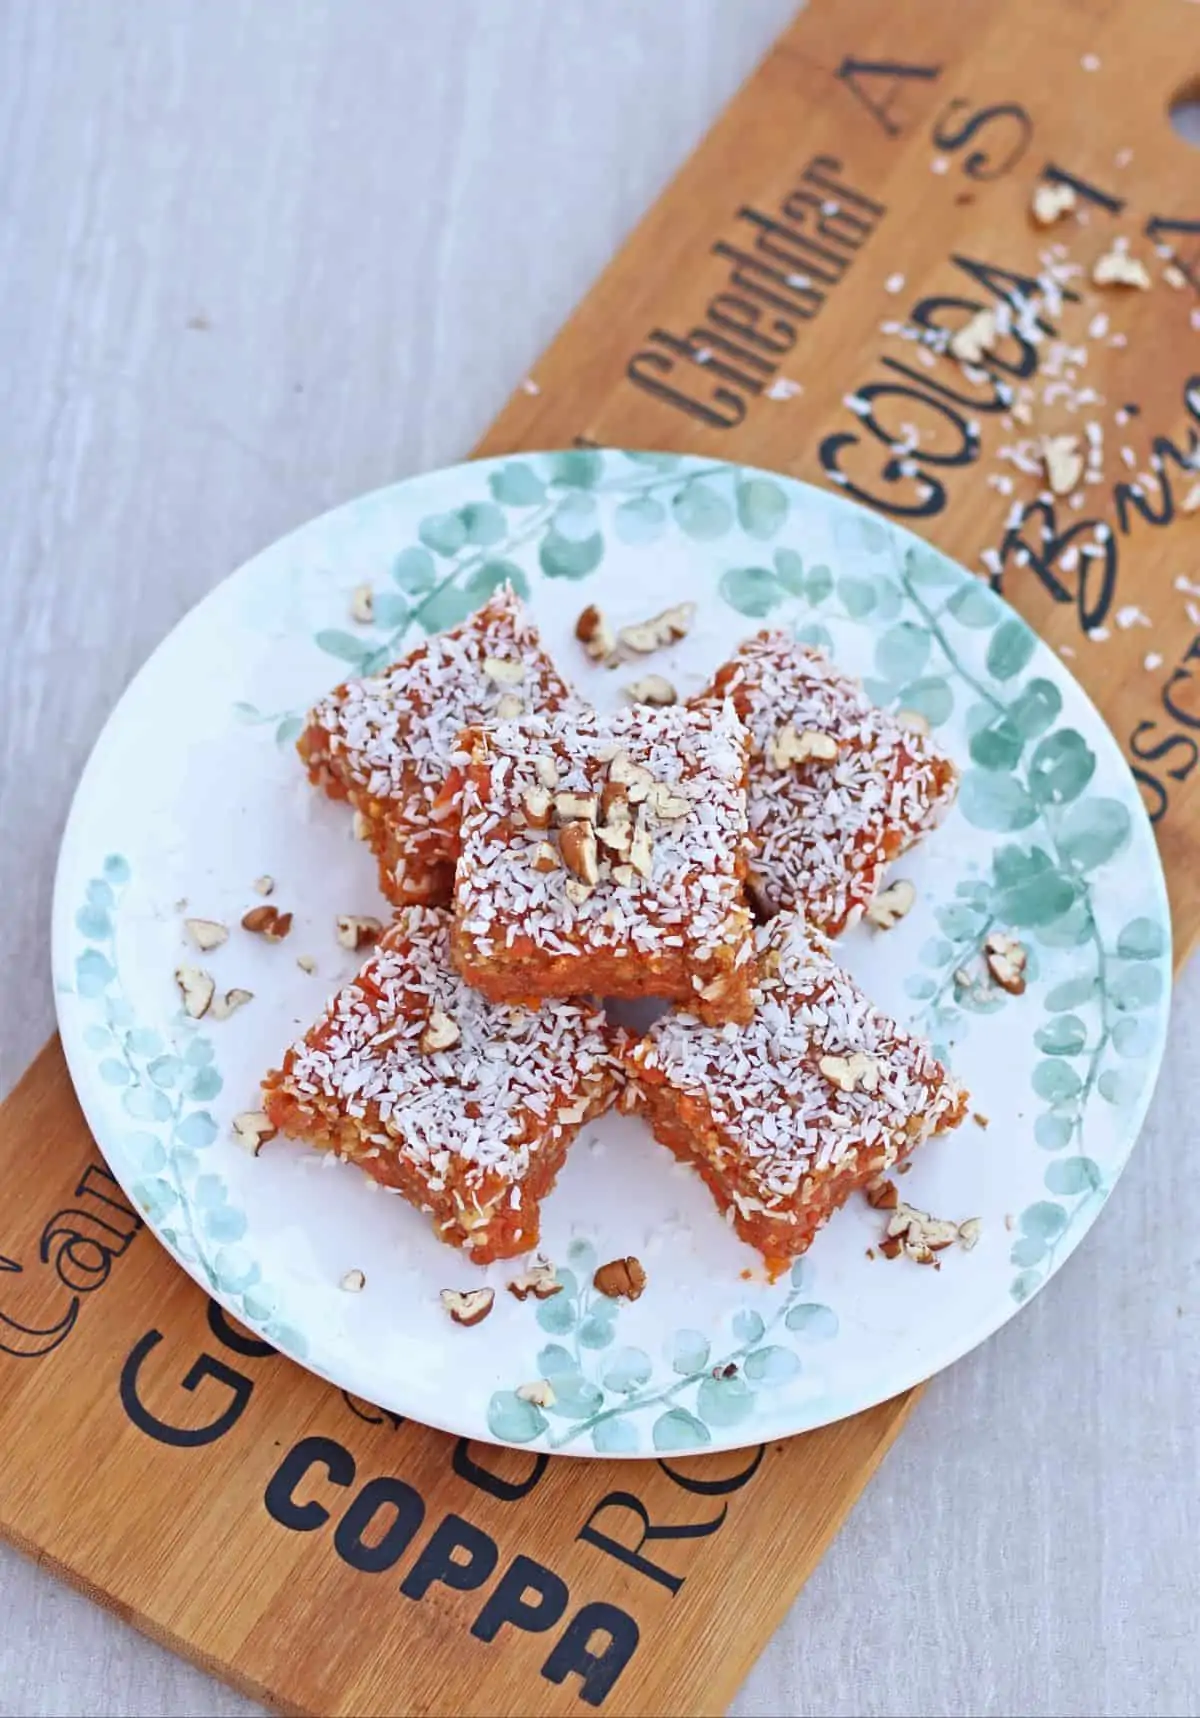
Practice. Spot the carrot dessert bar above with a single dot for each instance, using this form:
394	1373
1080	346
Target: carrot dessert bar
784	1119
384	742
605	855
838	787
464	1107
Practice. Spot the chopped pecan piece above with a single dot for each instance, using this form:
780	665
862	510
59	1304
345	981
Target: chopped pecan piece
1051	202
441	1033
1006	961
223	1006
891	905
540	1281
657	632
652	689
196	987
252	1129
577	844
355	932
468	1306
620	1279
789	747
207	934
848	1072
540	1393
267	921
595	634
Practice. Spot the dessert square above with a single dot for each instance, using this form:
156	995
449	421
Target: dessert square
384	742
605	855
819	1095
838	787
463	1106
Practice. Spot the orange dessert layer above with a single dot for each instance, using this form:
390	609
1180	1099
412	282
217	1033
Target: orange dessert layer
606	855
838	787
463	1106
384	743
820	1094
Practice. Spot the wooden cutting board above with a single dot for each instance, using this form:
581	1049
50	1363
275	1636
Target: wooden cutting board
870	183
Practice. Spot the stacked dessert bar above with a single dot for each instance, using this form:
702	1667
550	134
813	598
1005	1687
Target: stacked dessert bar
542	857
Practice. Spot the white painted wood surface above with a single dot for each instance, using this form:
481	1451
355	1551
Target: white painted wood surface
257	256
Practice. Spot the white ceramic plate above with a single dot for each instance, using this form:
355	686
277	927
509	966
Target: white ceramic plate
194	789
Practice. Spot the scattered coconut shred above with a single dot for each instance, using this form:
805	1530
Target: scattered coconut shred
1062	463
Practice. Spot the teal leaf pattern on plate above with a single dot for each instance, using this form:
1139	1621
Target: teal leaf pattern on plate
517	485
165	1087
752	591
701	511
705	1383
762	506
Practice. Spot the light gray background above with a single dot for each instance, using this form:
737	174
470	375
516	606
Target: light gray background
257	256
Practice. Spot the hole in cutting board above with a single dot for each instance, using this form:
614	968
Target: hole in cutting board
1184	111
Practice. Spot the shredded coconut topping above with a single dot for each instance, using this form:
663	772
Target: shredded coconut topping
783	1117
650	806
822	830
388	738
481	1107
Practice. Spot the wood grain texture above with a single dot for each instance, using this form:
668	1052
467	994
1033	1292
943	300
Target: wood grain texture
353	237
